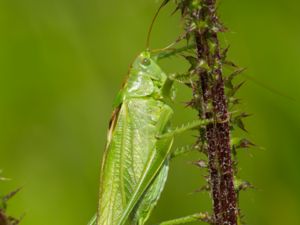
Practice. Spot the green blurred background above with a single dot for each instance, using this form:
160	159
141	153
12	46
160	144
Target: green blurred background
63	61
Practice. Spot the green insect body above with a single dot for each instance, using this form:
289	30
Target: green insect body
136	160
135	164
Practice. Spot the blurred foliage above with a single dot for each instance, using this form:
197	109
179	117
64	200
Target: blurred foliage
63	61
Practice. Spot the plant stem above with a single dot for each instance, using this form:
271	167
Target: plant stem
211	102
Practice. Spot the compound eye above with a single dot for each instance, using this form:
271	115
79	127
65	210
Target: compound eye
146	62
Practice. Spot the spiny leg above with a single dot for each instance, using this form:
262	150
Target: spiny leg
185	127
174	51
188	219
186	149
182	78
182	150
93	220
168	89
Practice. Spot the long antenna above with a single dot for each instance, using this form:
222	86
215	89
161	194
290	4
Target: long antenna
269	88
153	21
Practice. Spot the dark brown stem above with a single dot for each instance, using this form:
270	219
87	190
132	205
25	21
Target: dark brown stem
214	105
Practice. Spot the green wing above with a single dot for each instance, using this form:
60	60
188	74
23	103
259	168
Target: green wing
150	198
133	158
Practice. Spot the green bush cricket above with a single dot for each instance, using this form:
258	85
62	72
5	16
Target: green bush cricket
135	164
136	160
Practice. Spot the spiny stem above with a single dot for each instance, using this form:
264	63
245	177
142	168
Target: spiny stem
211	103
218	135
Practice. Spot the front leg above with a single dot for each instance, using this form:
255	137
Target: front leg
168	89
185	127
204	217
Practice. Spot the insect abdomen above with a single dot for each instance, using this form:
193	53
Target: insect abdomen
133	142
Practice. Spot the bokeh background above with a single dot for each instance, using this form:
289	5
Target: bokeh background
63	61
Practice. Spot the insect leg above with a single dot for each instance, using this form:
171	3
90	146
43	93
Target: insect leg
184	78
93	220
168	89
182	150
171	52
184	128
188	219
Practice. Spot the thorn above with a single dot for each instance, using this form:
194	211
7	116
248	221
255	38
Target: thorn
224	53
14	221
190	104
11	194
237	120
198	146
234	100
205	217
228	84
193	62
200	163
245	143
235	73
241	125
243	185
236	88
230	78
244	115
203	188
206	178
229	63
